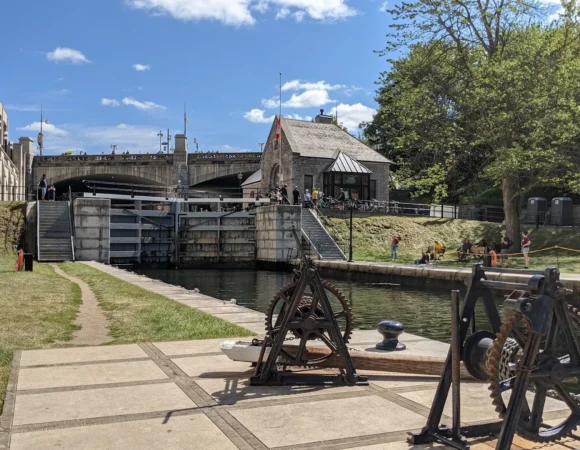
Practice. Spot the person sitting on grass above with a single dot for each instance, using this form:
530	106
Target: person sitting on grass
464	250
526	244
424	259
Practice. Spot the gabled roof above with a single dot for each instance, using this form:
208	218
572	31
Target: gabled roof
323	140
345	164
254	178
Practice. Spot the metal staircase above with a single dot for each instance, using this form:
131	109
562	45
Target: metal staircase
317	236
54	231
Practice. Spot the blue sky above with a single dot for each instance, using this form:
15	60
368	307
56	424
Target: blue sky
118	71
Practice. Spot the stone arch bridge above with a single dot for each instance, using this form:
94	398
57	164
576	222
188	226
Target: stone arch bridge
152	169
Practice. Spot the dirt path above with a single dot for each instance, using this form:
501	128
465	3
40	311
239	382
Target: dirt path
94	327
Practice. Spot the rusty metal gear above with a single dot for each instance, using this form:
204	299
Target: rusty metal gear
503	355
283	298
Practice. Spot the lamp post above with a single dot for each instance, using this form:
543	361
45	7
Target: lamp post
40	138
261	144
196	145
350	245
114	148
168	141
160	136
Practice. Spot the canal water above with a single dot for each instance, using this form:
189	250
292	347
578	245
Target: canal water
425	312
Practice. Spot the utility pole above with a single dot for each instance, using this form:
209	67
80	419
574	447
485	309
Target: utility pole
160	136
168	140
196	145
261	144
114	148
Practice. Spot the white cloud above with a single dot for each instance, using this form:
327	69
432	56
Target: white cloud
298	85
352	115
556	15
257	116
239	12
67	54
141	67
299	16
283	13
110	102
321	10
308	99
383	7
270	103
142	105
47	128
229	12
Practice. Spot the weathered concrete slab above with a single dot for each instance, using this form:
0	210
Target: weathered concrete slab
326	419
401	445
211	366
175	433
192	347
232	390
388	380
475	402
81	354
85	404
65	376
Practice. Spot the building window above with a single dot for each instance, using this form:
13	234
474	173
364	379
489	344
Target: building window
308	182
373	189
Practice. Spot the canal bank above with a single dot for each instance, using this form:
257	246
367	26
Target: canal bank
423	276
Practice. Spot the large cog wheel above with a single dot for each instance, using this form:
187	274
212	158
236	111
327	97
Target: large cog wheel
504	353
341	310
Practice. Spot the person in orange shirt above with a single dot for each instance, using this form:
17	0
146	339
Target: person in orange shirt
395	246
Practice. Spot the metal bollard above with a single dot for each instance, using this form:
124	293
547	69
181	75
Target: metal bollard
390	329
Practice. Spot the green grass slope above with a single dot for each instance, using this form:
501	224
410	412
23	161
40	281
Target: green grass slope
372	239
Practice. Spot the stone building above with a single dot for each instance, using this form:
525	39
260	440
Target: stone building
322	155
15	162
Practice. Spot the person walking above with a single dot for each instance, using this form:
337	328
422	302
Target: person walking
43	185
526	244
395	246
296	195
506	243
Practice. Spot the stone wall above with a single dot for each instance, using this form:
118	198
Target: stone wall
92	219
274	238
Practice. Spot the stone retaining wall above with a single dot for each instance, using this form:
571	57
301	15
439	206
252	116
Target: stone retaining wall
274	238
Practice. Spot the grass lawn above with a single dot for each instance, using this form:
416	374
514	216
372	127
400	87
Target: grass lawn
372	240
38	310
137	315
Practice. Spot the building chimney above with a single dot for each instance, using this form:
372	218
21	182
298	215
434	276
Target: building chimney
321	118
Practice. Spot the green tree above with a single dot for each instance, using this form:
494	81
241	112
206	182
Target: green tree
487	94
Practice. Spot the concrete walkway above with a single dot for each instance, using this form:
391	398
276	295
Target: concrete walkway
188	395
93	323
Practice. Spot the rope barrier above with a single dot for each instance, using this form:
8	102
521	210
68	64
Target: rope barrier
499	255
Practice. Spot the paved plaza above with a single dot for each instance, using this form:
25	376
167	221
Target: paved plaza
188	395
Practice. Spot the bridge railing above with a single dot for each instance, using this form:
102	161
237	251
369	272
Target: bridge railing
40	160
192	157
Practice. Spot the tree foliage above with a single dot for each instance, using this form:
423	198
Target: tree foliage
487	94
